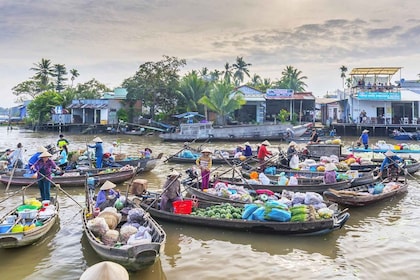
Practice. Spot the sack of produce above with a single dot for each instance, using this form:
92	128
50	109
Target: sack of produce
98	226
110	237
248	210
136	216
279	215
126	231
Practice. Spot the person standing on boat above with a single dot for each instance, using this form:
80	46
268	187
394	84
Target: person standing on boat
263	153
44	167
61	142
291	151
63	158
364	139
34	158
204	162
99	151
391	163
171	191
16	157
107	196
248	150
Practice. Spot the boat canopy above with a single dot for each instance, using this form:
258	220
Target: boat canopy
188	115
375	71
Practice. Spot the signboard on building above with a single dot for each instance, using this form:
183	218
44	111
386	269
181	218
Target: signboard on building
58	110
279	93
378	95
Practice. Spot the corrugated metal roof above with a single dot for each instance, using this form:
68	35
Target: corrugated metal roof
375	71
87	106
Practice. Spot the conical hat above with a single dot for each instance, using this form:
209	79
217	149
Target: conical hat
206	150
41	149
45	154
97	139
174	173
105	270
108	185
330	167
247	144
293	143
266	143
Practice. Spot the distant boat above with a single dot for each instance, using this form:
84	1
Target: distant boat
404	136
259	132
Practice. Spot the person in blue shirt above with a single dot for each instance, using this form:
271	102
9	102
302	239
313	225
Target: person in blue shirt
248	150
364	139
391	163
99	151
107	196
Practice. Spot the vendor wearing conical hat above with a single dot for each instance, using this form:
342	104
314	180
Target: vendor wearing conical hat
34	158
291	151
330	175
171	191
105	270
364	139
248	150
204	162
44	167
391	163
107	195
99	151
263	153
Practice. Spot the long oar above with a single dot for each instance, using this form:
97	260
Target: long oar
164	190
13	171
61	189
21	190
174	155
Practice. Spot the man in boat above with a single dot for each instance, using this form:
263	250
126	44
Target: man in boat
314	137
107	195
364	139
248	150
291	151
61	142
392	163
99	151
171	191
16	157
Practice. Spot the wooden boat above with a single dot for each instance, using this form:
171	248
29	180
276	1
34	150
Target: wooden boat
404	135
303	186
145	164
205	130
411	165
274	227
315	176
132	257
74	178
29	237
378	150
360	196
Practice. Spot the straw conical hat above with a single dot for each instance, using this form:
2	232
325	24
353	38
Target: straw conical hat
108	185
105	270
97	139
41	149
206	150
266	143
174	173
389	153
45	154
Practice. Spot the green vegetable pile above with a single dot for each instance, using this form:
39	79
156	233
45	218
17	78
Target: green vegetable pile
223	211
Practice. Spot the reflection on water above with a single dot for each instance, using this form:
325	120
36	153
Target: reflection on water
380	241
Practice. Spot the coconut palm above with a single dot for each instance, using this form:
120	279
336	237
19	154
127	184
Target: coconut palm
292	79
343	70
223	100
60	72
43	72
191	89
256	80
227	73
240	69
74	74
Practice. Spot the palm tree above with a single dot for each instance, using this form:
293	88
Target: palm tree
292	79
227	73
44	71
190	91
223	100
256	80
59	72
240	69
74	74
343	70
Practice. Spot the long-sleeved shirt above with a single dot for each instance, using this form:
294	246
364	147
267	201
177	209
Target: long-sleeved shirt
34	158
263	152
390	161
102	195
99	151
248	151
44	168
172	188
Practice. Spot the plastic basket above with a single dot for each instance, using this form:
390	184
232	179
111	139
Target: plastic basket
28	214
5	227
183	206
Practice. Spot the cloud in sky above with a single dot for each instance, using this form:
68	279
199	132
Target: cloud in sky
108	40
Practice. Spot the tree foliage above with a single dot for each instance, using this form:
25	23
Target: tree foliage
155	83
40	108
60	73
92	89
223	100
292	79
190	91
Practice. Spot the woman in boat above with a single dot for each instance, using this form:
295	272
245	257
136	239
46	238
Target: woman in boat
44	167
391	163
204	162
314	137
16	157
291	150
364	139
330	176
64	153
248	150
107	196
171	191
34	158
99	151
263	153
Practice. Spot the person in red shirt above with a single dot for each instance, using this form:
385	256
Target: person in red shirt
262	153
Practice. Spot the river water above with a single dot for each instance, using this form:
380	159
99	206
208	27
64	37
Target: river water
378	242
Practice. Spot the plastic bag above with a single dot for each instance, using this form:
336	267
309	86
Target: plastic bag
293	181
294	162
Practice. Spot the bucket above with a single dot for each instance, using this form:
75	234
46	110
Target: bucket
182	206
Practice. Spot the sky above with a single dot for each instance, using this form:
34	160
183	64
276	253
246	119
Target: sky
109	40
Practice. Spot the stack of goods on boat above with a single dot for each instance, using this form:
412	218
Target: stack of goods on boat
132	232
